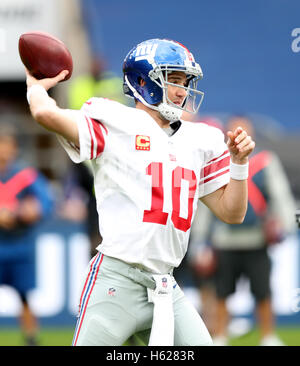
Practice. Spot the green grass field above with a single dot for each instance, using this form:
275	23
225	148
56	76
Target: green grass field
63	337
289	335
47	337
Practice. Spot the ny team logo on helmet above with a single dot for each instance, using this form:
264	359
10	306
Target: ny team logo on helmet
153	61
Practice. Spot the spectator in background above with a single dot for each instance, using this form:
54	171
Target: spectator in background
25	199
243	249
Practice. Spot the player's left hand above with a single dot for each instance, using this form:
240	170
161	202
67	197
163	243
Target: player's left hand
240	145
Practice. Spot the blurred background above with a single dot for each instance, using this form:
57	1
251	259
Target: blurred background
250	55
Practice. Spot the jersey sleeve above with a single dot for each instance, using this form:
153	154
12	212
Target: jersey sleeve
92	131
215	172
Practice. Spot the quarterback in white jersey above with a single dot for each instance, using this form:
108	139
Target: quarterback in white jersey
150	168
147	183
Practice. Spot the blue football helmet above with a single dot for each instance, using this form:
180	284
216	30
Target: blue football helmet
153	61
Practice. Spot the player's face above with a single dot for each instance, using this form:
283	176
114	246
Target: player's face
176	94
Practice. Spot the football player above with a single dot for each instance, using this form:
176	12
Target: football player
150	168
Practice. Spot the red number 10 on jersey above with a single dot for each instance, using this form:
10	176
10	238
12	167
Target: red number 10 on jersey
156	214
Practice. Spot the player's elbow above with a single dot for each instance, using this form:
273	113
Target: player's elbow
43	116
58	121
40	114
235	215
236	219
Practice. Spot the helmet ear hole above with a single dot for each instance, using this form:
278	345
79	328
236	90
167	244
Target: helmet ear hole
141	81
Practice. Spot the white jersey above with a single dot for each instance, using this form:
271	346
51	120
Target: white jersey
147	183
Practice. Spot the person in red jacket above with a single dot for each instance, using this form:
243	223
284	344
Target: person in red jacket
25	200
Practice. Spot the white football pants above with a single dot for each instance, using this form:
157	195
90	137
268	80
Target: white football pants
114	305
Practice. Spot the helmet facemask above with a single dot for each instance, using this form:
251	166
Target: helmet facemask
194	97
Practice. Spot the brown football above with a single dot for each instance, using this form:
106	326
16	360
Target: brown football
44	55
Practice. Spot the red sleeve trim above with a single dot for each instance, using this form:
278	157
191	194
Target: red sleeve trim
218	157
216	176
99	136
96	136
102	124
92	140
214	167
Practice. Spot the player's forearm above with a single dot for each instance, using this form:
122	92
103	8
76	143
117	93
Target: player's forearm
229	203
42	107
45	111
234	202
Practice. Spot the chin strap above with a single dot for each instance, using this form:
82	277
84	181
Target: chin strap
170	113
167	111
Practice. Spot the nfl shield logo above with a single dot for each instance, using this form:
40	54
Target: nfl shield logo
164	282
111	291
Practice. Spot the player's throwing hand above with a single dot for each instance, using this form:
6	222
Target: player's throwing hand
47	83
240	145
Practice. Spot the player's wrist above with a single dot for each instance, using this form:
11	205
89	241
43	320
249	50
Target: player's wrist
239	171
35	89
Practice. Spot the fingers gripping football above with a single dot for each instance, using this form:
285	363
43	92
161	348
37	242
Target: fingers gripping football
47	83
240	145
